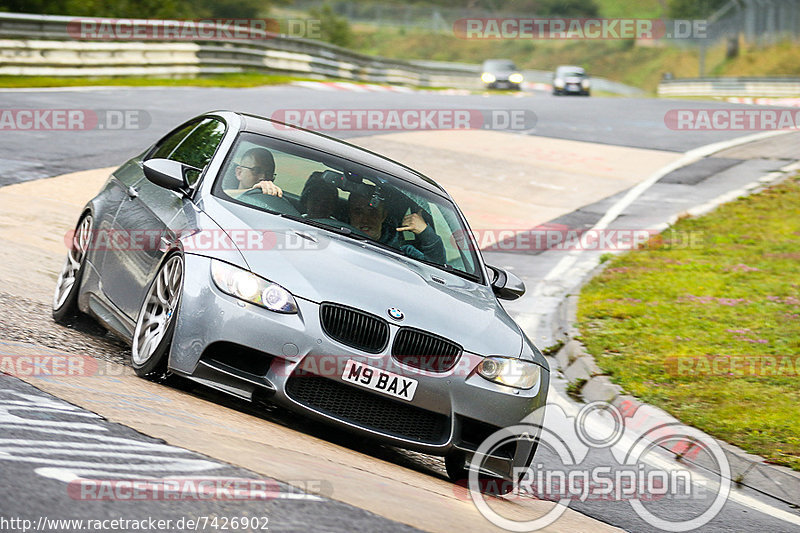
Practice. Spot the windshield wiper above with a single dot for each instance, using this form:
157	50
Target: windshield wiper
450	268
341	230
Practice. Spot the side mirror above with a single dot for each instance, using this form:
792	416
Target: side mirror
168	174
506	286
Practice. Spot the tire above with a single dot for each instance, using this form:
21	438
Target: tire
454	464
65	298
155	323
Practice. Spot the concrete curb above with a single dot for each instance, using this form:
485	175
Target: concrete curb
587	380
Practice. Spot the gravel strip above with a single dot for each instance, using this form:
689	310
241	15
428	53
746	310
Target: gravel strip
31	321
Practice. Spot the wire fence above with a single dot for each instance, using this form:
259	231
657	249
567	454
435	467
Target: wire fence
760	22
437	19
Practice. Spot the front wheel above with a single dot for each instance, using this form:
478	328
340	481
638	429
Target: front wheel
455	464
156	321
457	471
65	299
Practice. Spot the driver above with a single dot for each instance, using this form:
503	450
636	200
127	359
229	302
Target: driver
370	219
256	170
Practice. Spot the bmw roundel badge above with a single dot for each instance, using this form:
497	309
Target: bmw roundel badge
396	313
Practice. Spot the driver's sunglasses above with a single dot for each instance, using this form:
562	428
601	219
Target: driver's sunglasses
256	170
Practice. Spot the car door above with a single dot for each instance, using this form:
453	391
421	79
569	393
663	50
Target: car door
153	215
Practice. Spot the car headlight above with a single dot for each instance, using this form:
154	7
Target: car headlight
488	77
509	371
558	82
515	78
247	286
585	84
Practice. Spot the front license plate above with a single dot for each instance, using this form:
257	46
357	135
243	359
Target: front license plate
379	380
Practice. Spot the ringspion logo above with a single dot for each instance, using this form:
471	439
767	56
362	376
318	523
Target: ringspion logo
604	453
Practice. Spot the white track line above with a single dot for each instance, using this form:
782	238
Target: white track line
623	203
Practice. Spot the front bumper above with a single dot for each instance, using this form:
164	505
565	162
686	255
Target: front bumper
574	88
249	351
503	84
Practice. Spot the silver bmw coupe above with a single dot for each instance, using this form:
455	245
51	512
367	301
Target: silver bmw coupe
268	261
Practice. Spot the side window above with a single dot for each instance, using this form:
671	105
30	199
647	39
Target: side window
199	146
168	144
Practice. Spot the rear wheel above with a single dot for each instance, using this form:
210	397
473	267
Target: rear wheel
156	321
65	299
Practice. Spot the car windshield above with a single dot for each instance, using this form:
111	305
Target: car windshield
498	65
347	198
571	73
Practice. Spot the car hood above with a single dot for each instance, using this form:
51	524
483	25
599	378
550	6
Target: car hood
333	268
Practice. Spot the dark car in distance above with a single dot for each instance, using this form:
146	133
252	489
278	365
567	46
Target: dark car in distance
501	74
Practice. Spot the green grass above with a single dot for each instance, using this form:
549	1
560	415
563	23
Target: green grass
643	9
574	389
734	292
247	79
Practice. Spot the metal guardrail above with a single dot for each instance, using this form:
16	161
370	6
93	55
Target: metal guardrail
730	87
42	45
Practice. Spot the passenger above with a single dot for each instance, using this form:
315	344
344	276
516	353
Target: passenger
370	219
319	197
256	169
